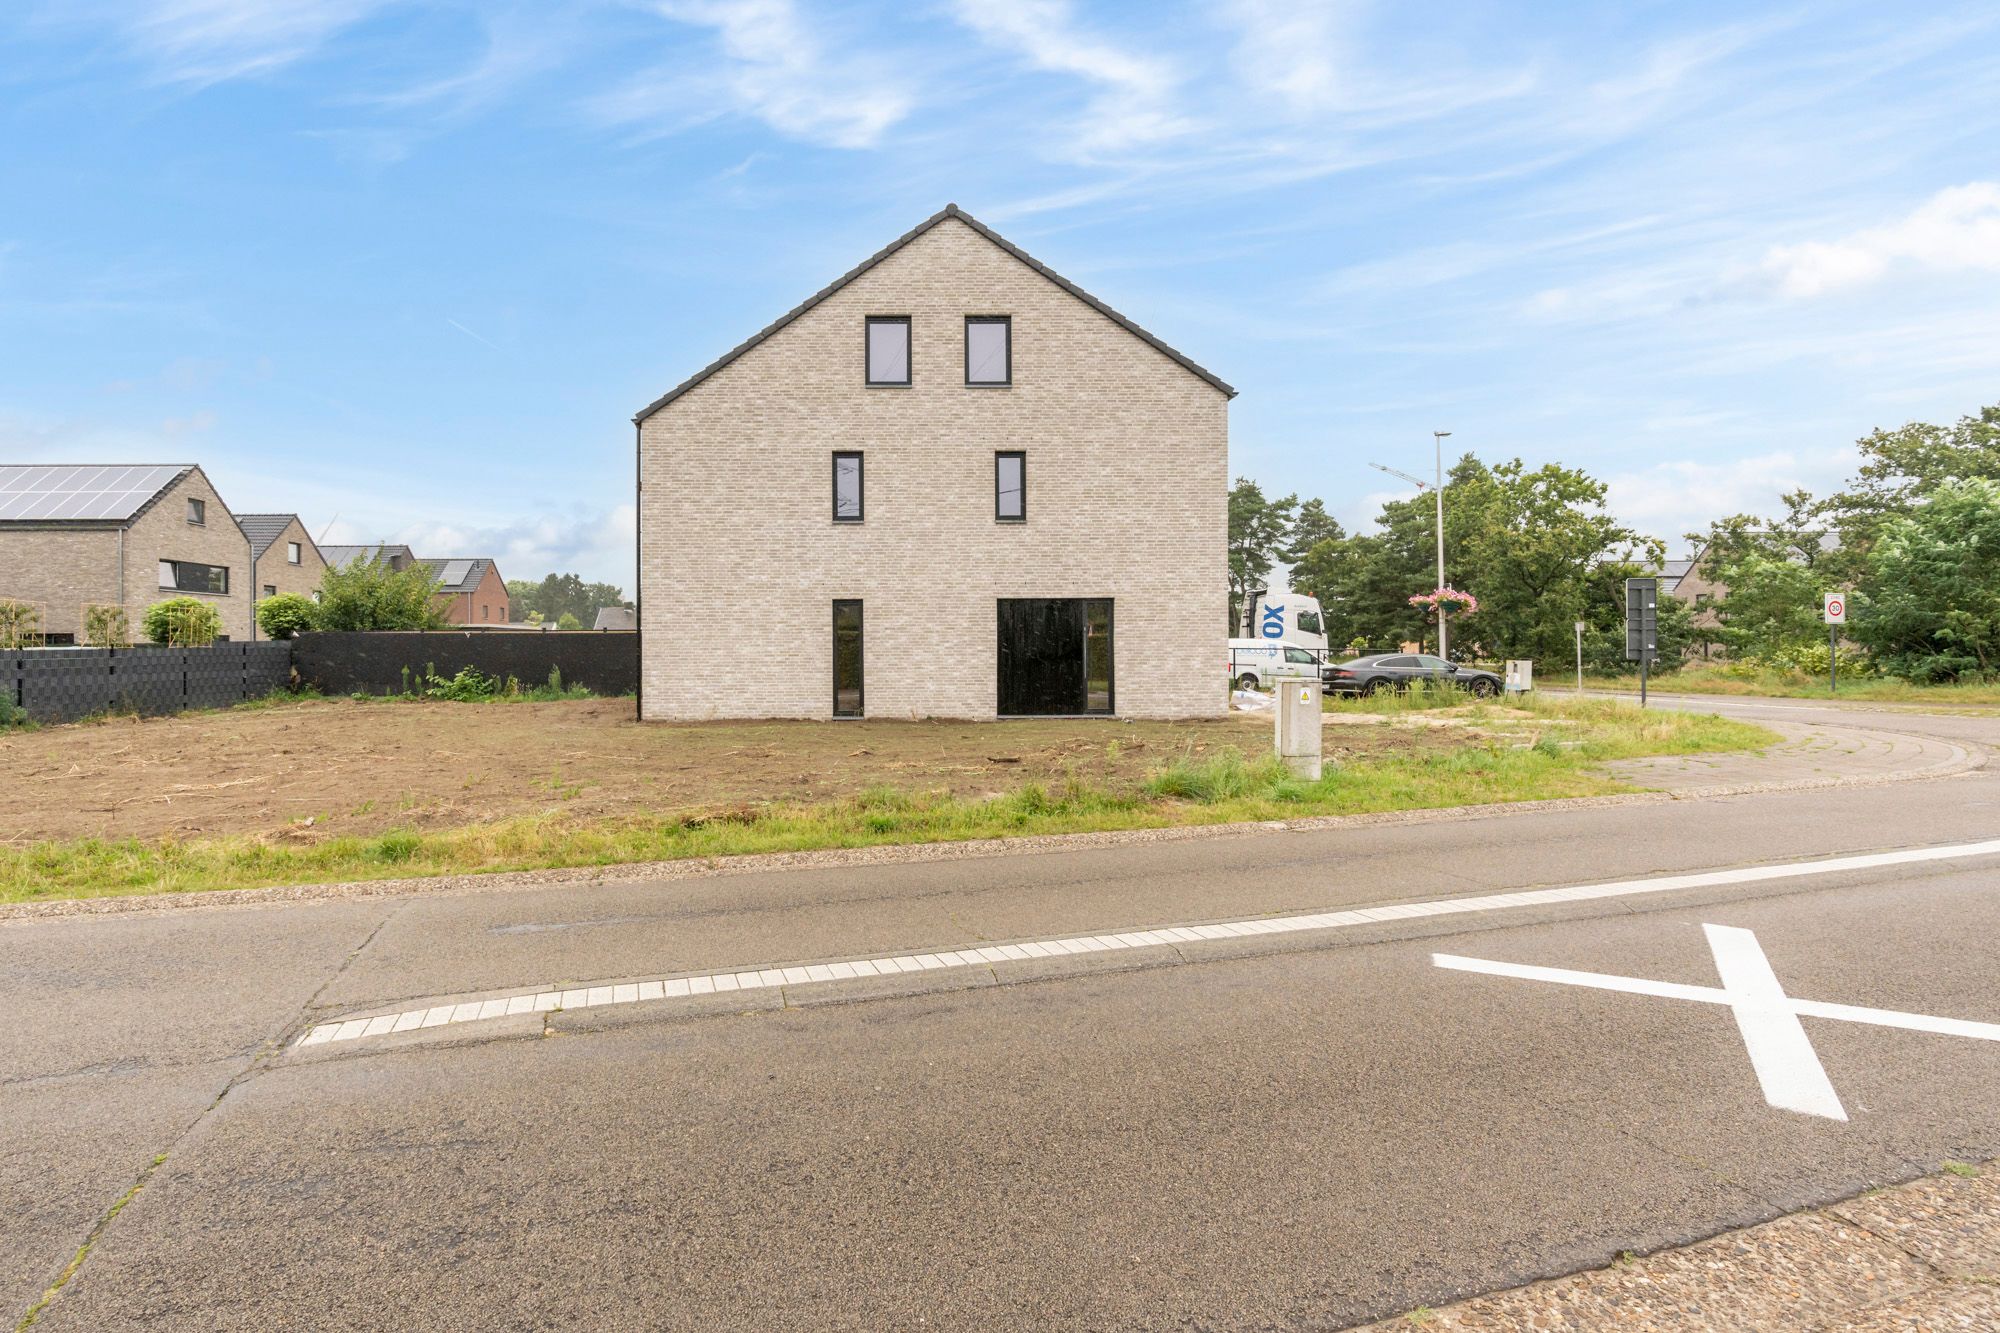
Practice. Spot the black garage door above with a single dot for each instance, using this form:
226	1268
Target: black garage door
1055	656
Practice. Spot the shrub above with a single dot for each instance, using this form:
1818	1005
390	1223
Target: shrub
20	624
106	627
468	686
184	622
286	614
368	595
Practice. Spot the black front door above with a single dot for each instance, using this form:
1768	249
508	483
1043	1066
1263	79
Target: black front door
1055	656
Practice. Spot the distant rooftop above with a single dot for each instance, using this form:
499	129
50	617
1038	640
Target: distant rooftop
458	575
263	529
82	493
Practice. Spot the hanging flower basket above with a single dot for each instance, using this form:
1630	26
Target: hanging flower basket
1447	599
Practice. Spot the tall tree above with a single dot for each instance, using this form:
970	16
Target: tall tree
1259	536
1310	526
1929	603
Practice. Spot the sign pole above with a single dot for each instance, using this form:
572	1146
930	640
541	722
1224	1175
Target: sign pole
1836	616
1579	657
1642	682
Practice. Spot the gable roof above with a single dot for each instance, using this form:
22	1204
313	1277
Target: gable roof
456	575
83	492
263	529
948	211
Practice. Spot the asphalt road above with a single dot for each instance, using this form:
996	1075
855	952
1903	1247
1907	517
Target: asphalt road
1293	1131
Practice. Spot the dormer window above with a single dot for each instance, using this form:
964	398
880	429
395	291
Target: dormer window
888	350
989	351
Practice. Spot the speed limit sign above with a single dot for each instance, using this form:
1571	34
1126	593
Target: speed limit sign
1836	608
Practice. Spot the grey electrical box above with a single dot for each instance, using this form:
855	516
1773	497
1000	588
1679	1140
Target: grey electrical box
1298	726
1642	620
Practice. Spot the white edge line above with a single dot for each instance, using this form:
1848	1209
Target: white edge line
340	1030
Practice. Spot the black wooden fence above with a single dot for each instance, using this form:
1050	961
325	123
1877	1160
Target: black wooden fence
64	684
387	662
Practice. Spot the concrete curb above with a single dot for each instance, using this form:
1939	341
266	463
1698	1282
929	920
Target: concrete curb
1963	759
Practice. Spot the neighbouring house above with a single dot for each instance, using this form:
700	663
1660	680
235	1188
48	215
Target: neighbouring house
951	484
74	536
616	617
398	557
282	555
470	592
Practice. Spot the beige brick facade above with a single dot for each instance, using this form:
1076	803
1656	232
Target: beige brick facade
1127	475
276	572
65	567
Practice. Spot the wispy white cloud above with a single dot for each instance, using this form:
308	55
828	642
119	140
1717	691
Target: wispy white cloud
1135	102
1955	230
775	67
1679	496
209	41
599	544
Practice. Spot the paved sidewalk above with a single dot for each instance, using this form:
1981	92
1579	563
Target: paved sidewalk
1922	1256
1811	754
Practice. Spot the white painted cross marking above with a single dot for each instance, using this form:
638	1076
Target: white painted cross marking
1788	1069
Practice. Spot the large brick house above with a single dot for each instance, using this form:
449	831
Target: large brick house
952	484
127	535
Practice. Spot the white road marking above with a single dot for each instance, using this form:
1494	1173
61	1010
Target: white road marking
337	1030
1787	1067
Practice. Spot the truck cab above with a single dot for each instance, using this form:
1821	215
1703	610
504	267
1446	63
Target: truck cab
1285	618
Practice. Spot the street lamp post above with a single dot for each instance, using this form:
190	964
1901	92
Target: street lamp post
1438	437
1444	643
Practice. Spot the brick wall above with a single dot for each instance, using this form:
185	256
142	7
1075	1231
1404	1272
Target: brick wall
62	569
1127	482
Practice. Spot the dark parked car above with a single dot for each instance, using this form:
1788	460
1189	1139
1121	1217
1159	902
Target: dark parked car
1396	671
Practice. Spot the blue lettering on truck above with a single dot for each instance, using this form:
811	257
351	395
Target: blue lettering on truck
1274	622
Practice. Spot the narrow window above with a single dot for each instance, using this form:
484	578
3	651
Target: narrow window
847	488
888	349
197	511
847	659
291	553
1010	487
989	350
1097	656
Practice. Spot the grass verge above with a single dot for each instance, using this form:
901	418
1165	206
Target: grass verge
1544	749
1797	685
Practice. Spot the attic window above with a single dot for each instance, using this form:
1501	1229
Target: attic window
989	350
291	553
888	350
197	511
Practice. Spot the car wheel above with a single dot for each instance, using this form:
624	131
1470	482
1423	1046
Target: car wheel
1246	681
1483	689
1368	687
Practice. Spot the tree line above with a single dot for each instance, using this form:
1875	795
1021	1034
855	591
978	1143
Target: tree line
1913	539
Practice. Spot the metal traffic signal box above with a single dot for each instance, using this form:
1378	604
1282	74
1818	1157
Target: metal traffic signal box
1642	620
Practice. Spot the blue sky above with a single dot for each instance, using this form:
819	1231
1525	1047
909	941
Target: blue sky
410	267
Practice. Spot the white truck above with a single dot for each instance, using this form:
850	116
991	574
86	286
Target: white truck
1285	617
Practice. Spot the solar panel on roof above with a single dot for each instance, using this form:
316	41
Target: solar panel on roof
455	572
82	493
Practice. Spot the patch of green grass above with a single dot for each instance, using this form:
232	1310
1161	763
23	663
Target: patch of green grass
1498	756
1965	1169
1796	684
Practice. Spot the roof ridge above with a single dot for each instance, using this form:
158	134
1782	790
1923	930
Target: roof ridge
949	211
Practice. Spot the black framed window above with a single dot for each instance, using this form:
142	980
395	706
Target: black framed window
847	656
1010	486
187	576
197	512
989	351
1097	656
888	338
291	553
847	488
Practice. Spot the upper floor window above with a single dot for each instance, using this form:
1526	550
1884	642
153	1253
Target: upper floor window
888	349
270	590
847	488
197	511
291	553
1010	487
989	350
186	576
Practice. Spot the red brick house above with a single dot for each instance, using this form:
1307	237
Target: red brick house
470	592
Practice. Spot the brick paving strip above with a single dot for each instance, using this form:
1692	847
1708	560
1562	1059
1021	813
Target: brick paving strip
1921	1256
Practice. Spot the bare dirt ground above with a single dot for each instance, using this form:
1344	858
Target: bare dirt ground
366	767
